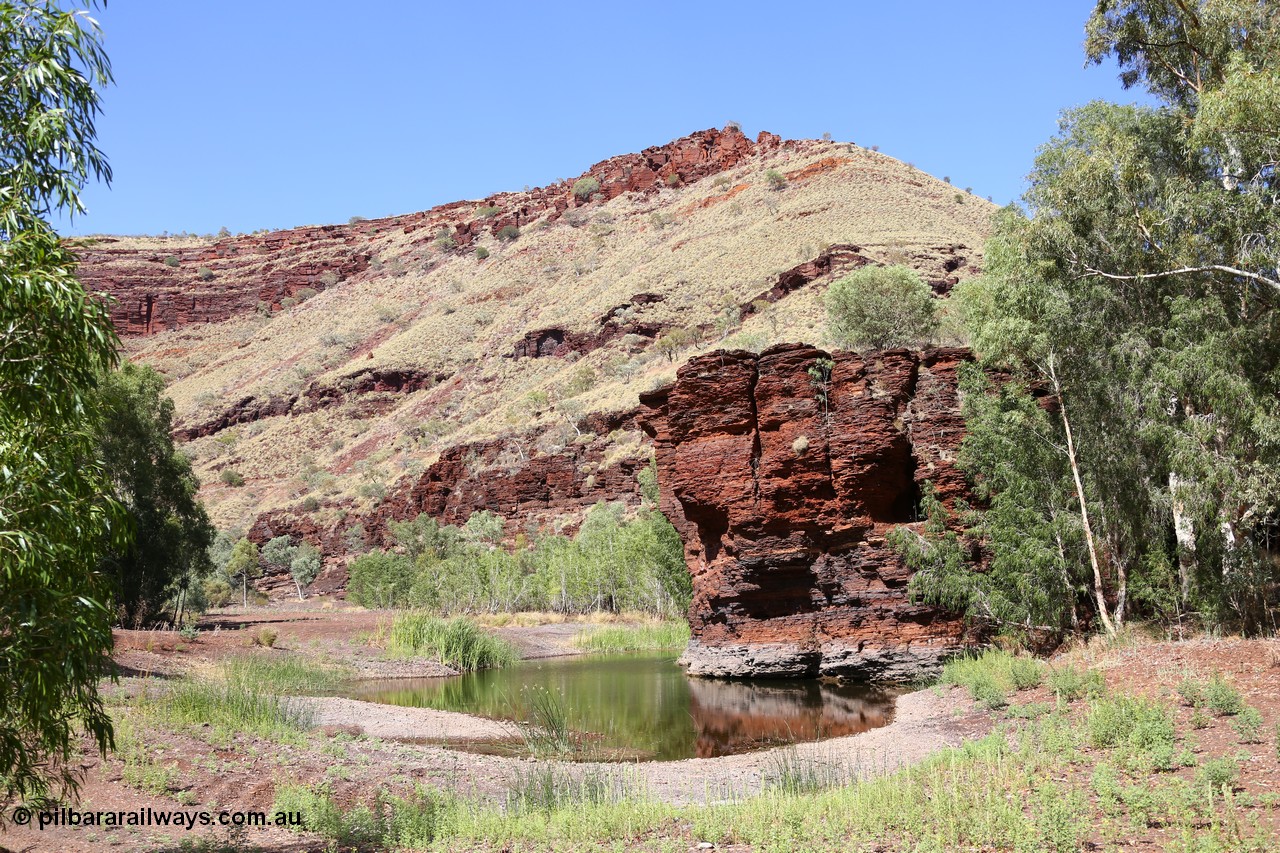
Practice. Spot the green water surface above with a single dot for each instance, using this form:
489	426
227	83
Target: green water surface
644	707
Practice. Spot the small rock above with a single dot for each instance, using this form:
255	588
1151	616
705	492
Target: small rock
705	845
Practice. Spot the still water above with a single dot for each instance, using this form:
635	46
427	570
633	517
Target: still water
643	707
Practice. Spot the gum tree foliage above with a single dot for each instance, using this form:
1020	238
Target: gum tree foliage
172	533
1133	456
301	561
877	308
243	564
56	517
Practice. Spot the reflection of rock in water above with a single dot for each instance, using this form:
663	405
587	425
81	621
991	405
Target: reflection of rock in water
730	716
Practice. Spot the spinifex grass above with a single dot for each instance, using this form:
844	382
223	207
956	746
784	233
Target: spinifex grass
672	635
458	642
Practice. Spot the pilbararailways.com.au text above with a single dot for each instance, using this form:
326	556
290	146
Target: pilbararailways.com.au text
149	817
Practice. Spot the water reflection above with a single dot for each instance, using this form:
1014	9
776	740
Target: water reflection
735	716
644	707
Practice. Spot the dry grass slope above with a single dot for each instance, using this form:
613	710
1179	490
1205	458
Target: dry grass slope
424	309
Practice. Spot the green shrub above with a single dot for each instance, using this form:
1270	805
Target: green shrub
305	293
217	592
986	691
1191	689
380	580
775	179
204	274
445	243
288	302
1070	684
585	187
508	233
171	261
487	211
265	637
231	477
876	308
310	503
1248	725
458	643
481	253
1217	775
1223	698
1025	673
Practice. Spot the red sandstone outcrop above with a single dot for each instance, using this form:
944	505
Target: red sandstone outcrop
509	478
783	482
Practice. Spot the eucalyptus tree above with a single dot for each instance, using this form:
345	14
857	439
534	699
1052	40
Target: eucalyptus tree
1134	303
57	518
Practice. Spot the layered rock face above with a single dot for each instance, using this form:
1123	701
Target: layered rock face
158	287
783	472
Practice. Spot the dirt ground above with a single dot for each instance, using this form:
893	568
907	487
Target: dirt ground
357	747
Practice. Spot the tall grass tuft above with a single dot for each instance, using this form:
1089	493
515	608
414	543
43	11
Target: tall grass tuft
388	822
285	676
547	732
549	788
230	707
458	642
662	636
792	774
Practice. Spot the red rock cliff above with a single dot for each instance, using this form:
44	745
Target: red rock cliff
783	487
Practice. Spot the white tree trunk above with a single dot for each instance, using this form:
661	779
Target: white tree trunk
1084	509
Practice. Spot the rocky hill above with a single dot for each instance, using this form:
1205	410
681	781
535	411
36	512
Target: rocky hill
490	353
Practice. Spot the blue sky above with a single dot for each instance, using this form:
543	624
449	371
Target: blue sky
276	113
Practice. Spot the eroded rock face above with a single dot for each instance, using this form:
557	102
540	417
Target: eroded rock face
158	289
783	484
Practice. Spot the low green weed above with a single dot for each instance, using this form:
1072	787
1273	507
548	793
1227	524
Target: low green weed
1191	689
1070	684
549	787
990	677
1144	728
388	821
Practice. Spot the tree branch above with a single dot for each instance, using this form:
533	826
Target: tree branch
1252	276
